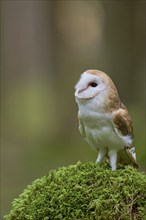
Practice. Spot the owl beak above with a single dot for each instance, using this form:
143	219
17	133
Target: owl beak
81	90
78	91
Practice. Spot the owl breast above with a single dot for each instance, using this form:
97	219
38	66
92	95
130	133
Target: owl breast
99	131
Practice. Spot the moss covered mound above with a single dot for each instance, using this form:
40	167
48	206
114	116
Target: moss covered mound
84	191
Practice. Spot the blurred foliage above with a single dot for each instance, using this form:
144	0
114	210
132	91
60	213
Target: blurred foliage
45	46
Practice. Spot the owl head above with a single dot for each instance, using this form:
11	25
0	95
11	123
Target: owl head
92	83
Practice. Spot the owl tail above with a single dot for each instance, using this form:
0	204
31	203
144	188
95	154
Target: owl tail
132	152
132	155
127	156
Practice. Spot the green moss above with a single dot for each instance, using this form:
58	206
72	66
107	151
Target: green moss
84	191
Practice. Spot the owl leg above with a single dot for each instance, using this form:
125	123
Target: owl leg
101	154
113	158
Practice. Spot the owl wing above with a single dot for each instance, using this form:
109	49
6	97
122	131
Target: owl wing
122	121
123	126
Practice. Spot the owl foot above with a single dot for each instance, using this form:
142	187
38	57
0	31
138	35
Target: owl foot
101	155
113	159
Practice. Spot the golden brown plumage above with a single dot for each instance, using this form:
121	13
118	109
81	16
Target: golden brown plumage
122	121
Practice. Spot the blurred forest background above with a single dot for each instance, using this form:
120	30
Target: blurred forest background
45	46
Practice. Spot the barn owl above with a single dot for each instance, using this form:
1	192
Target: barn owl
104	120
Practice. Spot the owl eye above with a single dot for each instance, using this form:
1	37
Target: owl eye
93	84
